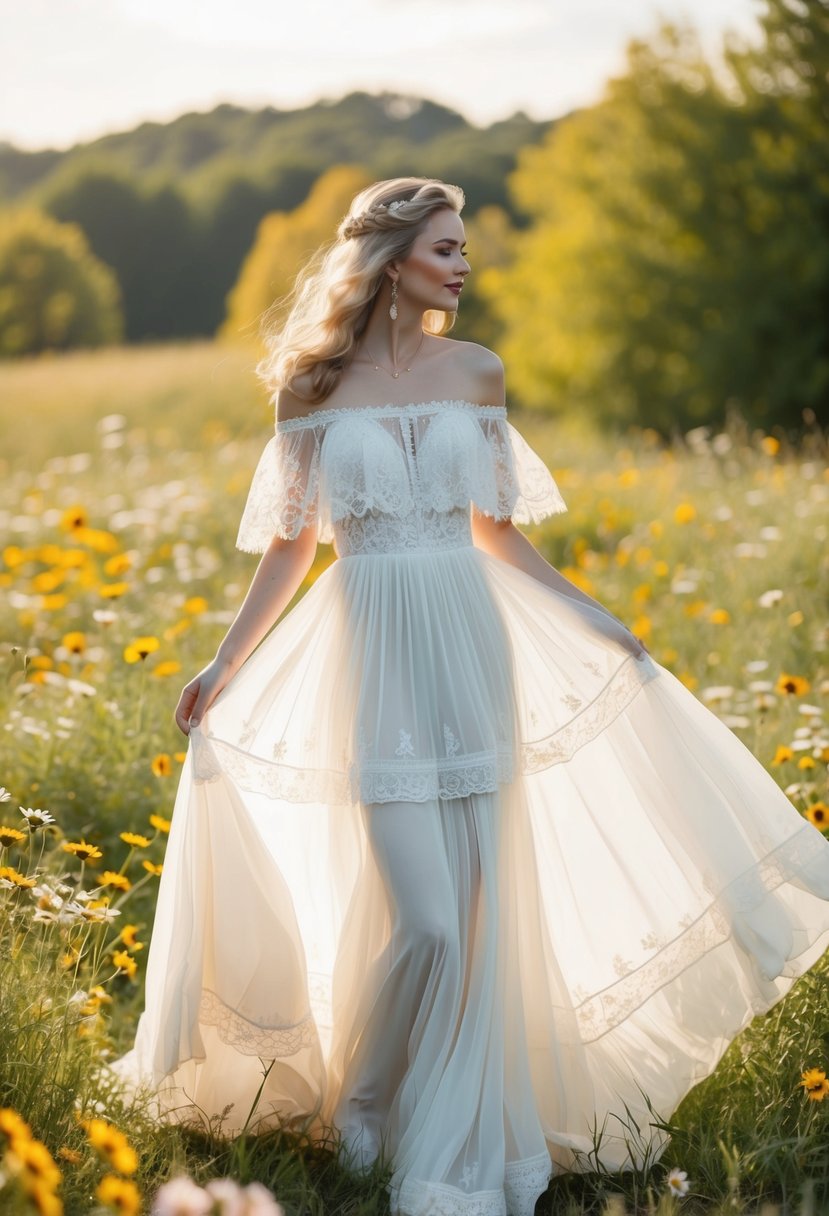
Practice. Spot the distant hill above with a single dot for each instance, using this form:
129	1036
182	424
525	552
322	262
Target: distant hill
174	207
389	133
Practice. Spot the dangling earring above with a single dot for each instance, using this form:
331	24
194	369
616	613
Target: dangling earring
393	309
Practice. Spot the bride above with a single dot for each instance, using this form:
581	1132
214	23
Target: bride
455	867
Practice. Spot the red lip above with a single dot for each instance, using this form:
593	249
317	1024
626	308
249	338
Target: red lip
456	287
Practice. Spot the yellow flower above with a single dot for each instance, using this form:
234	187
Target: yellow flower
14	1125
72	518
182	756
118	564
770	445
684	513
157	821
641	627
119	1193
162	765
151	867
53	603
47	580
173	631
76	642
133	838
815	1084
111	591
112	1144
98	539
806	762
795	618
10	835
35	1163
44	1200
125	962
70	1154
15	877
82	849
720	616
111	878
139	649
196	603
127	936
791	685
818	814
168	667
782	754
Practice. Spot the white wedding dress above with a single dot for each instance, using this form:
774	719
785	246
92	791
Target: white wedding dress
453	869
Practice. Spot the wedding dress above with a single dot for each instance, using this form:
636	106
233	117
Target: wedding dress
447	867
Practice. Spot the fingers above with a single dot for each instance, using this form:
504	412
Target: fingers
185	708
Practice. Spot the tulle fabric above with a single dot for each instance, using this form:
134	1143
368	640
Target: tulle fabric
617	885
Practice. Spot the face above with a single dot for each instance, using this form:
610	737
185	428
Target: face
436	260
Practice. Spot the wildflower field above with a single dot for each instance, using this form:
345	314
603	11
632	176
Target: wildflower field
124	476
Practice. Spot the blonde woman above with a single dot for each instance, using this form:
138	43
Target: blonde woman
458	875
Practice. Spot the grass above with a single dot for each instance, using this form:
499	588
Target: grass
125	473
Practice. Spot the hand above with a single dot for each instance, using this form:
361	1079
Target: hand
197	696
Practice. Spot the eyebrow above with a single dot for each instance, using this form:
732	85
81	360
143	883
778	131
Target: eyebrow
446	240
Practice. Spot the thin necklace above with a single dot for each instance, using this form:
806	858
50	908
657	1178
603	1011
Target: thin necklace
378	367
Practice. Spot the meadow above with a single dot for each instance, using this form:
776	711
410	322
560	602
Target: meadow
124	473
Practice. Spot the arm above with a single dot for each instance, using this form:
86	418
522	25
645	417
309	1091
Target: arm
278	576
501	539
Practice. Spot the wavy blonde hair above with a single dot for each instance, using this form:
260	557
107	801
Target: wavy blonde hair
328	308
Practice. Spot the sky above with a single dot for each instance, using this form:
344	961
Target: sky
71	70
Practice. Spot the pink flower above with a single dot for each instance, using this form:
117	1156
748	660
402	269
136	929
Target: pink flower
181	1197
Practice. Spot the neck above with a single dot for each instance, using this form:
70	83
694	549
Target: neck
389	341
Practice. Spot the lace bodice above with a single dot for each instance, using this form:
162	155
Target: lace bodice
391	478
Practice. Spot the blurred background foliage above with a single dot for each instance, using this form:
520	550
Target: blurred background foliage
660	257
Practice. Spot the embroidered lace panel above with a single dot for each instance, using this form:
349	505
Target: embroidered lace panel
253	1038
601	1011
393	461
524	1182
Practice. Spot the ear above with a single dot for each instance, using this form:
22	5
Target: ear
392	271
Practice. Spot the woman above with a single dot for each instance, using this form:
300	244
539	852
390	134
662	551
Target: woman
455	867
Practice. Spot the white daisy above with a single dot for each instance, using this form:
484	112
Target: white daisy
36	818
677	1182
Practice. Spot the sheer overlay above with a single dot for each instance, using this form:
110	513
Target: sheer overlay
463	876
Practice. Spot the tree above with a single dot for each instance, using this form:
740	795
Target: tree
54	293
678	256
284	241
150	240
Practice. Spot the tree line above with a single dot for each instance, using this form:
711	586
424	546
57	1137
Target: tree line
660	256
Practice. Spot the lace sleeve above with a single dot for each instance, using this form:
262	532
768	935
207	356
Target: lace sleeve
284	492
521	486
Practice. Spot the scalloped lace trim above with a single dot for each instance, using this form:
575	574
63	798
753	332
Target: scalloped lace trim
524	1182
319	417
253	1038
388	780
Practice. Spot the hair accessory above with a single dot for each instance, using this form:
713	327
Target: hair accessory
356	225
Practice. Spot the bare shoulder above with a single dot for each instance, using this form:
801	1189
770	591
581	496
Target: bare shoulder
289	405
481	368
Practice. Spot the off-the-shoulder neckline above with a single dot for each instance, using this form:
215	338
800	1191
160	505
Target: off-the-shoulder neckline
411	407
